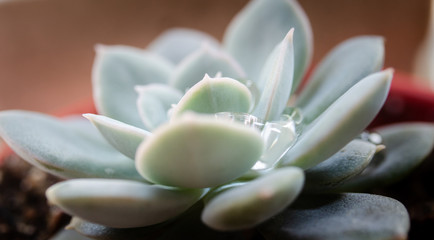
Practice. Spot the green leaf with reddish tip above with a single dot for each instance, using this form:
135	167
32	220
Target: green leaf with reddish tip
213	95
198	151
206	60
342	166
349	216
154	103
344	66
116	71
253	203
121	203
177	43
259	27
125	138
275	83
407	145
341	122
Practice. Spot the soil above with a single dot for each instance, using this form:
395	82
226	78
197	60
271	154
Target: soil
24	212
25	215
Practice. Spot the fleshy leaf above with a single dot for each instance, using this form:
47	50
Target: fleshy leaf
344	66
347	163
349	216
64	151
341	122
177	43
125	138
213	95
116	71
197	151
248	205
121	203
275	83
407	145
154	103
260	26
206	60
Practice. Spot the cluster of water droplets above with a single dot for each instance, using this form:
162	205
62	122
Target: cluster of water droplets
278	136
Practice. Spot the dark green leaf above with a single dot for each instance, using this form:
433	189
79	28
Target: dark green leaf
349	216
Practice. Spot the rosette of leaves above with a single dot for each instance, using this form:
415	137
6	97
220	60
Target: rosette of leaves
173	153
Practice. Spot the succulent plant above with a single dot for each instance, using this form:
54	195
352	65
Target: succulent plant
193	137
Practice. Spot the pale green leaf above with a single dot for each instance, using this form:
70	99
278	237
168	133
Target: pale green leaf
206	60
116	71
197	151
154	103
275	83
125	138
251	204
260	26
349	216
177	43
213	95
344	66
62	150
346	118
121	203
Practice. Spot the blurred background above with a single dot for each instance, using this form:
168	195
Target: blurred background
47	46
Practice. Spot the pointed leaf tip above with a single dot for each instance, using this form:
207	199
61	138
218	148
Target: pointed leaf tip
346	118
276	81
125	138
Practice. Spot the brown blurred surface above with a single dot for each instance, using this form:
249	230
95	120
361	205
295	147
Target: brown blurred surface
46	46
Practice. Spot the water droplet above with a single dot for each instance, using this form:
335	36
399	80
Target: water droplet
371	137
244	118
109	171
279	136
294	113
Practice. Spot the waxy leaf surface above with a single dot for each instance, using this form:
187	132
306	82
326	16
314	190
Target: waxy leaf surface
213	95
116	71
206	60
64	151
341	122
344	66
154	103
275	83
125	138
121	203
260	26
251	204
177	43
198	151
